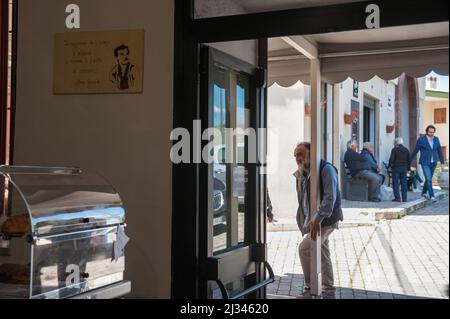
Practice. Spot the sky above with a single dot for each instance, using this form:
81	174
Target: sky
442	81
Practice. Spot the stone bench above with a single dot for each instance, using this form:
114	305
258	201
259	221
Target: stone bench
356	189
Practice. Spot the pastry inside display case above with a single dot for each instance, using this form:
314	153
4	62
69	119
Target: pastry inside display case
17	225
61	234
14	256
14	263
14	274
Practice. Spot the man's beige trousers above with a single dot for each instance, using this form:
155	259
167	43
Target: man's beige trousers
327	266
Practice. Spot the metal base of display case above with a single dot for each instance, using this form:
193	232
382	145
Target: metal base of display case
113	291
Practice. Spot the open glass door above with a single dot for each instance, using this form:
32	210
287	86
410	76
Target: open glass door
232	214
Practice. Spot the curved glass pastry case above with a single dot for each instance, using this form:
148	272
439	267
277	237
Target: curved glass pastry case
61	234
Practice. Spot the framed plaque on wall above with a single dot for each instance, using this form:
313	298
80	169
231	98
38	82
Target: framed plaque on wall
99	62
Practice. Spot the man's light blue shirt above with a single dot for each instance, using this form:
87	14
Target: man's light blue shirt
431	142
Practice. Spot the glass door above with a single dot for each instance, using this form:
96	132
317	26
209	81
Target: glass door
233	246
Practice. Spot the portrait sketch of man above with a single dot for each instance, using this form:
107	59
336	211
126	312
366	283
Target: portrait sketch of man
123	73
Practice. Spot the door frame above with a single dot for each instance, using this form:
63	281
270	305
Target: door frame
7	133
189	35
4	61
233	259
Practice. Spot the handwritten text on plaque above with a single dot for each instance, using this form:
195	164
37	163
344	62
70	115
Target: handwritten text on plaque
99	62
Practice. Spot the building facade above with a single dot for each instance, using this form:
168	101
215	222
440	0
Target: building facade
436	114
367	113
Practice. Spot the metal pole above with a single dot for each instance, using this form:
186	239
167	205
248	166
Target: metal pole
316	141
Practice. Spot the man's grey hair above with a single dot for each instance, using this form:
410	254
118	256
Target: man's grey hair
367	145
398	141
306	145
350	143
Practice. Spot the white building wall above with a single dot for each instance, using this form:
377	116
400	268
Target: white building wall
286	117
345	96
384	93
404	113
387	112
287	125
422	94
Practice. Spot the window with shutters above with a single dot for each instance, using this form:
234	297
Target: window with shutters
440	116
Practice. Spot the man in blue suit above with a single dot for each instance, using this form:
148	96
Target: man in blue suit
429	147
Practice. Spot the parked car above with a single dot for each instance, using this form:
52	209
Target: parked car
238	174
220	160
219	197
219	207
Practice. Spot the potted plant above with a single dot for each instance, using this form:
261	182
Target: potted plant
390	128
348	119
308	110
442	176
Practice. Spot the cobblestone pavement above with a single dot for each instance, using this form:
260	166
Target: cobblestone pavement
405	258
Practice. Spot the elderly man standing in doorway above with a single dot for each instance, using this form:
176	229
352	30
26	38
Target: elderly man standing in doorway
359	167
323	222
429	147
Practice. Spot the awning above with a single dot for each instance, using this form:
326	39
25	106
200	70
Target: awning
361	55
217	8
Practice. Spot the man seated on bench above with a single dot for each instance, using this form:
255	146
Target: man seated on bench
367	152
359	167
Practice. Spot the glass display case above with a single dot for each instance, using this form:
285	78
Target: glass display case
62	234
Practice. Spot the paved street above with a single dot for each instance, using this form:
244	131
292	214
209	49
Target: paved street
405	258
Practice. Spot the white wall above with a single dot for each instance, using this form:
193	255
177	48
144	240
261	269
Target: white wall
286	113
286	109
404	113
422	94
345	93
